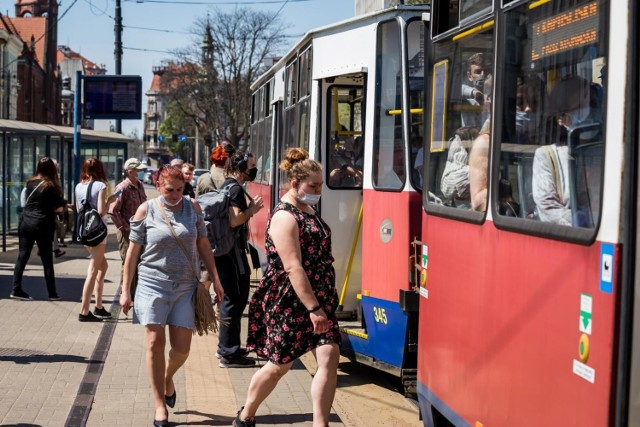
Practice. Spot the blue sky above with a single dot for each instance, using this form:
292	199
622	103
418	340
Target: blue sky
88	28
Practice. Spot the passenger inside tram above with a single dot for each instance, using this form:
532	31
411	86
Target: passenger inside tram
574	103
479	157
473	91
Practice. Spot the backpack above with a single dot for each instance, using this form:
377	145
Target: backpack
215	207
90	230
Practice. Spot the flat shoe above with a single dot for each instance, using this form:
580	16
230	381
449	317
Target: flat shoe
161	423
170	400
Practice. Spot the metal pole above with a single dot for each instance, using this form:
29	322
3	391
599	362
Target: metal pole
77	120
118	51
197	149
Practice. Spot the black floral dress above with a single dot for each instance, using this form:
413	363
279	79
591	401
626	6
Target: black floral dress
280	328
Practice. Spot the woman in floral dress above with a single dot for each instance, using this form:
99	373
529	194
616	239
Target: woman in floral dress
293	310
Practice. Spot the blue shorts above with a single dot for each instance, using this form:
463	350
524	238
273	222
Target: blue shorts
164	303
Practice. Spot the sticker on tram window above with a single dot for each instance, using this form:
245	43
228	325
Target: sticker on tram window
439	106
606	268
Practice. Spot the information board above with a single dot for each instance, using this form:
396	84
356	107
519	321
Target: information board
112	97
564	31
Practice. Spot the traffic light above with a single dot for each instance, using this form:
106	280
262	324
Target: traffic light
174	137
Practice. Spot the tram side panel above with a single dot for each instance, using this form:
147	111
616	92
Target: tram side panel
500	331
388	224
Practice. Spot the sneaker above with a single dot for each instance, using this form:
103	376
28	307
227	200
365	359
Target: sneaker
249	422
101	312
21	295
58	253
242	352
88	318
62	245
236	362
54	297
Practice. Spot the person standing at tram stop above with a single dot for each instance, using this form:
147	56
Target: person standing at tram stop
233	267
571	101
93	172
215	178
187	171
38	225
293	310
166	282
131	195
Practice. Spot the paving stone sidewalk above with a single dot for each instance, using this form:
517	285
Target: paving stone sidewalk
56	371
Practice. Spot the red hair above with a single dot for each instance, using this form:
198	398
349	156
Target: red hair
170	172
93	169
220	154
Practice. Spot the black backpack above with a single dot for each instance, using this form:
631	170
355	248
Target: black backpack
215	207
90	230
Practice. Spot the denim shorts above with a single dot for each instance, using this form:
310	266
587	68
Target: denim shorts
164	303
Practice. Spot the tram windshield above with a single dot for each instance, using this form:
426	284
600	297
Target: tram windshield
553	98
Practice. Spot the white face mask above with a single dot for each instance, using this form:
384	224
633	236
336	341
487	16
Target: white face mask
166	202
308	199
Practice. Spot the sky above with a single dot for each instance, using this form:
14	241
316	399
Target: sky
153	28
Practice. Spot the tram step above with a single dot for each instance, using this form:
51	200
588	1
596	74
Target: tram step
358	332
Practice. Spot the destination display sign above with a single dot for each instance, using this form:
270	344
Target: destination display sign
565	31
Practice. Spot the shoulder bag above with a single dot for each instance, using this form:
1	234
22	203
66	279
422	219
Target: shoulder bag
205	314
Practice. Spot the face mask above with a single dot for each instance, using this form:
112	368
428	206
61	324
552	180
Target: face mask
309	199
166	202
140	176
252	173
578	116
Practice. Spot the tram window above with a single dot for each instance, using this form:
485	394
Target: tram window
291	73
459	141
415	38
305	73
469	8
345	144
388	172
553	102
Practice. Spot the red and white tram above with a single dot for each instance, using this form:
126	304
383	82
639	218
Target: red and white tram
344	93
484	229
529	227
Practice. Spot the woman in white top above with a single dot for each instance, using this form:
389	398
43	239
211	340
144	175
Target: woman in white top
93	171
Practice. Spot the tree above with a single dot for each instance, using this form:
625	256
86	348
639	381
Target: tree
209	82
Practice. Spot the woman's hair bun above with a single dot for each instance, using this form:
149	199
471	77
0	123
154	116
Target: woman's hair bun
293	156
220	154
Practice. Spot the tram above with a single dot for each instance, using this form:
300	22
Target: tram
344	93
528	238
481	175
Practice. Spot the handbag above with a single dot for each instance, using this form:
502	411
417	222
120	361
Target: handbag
206	319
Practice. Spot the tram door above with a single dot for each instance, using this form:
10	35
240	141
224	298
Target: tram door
343	160
387	330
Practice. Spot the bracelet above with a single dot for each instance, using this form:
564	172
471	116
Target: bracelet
316	308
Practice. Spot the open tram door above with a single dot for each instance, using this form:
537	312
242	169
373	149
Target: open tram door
343	158
384	333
